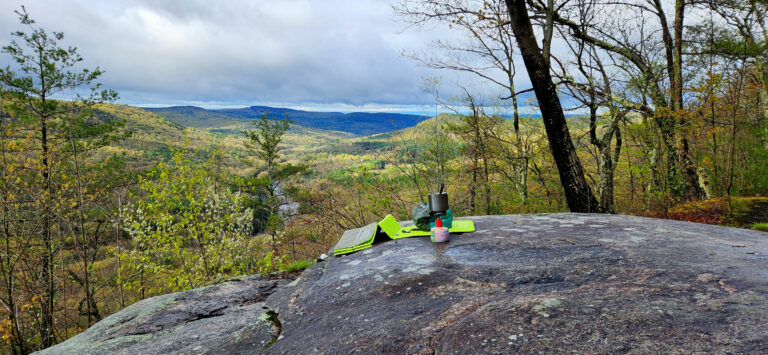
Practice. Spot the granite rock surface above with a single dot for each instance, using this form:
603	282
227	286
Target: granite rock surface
552	283
227	318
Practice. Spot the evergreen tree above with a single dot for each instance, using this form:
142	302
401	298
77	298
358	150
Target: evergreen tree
265	187
60	132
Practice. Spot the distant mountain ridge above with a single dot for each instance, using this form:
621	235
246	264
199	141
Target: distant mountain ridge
361	123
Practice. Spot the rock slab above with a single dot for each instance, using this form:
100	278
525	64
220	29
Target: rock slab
225	318
554	283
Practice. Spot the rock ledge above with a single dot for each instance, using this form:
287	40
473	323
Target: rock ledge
521	283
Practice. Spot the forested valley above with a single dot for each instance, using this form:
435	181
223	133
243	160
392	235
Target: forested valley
648	107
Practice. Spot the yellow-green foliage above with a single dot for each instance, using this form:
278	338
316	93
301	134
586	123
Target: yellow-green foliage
186	229
739	205
297	265
152	136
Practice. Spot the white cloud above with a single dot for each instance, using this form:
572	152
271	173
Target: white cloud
337	53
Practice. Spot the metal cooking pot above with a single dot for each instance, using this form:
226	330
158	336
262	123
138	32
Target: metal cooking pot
438	202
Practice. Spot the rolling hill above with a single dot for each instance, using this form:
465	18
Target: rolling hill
153	135
359	123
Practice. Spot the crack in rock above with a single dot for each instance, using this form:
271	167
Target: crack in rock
273	318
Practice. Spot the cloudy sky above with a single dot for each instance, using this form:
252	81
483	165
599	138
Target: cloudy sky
316	54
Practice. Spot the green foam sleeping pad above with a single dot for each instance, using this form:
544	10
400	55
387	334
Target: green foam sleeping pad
360	238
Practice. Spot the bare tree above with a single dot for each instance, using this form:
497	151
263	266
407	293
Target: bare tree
492	26
487	52
658	69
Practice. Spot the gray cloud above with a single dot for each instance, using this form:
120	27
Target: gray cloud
229	53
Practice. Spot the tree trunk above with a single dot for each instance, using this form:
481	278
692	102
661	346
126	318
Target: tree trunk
8	266
763	95
654	181
578	194
764	100
487	183
473	188
693	182
47	264
679	154
731	157
482	139
83	242
715	155
705	185
608	160
677	60
694	188
605	188
522	153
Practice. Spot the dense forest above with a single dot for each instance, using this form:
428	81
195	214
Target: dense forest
102	205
